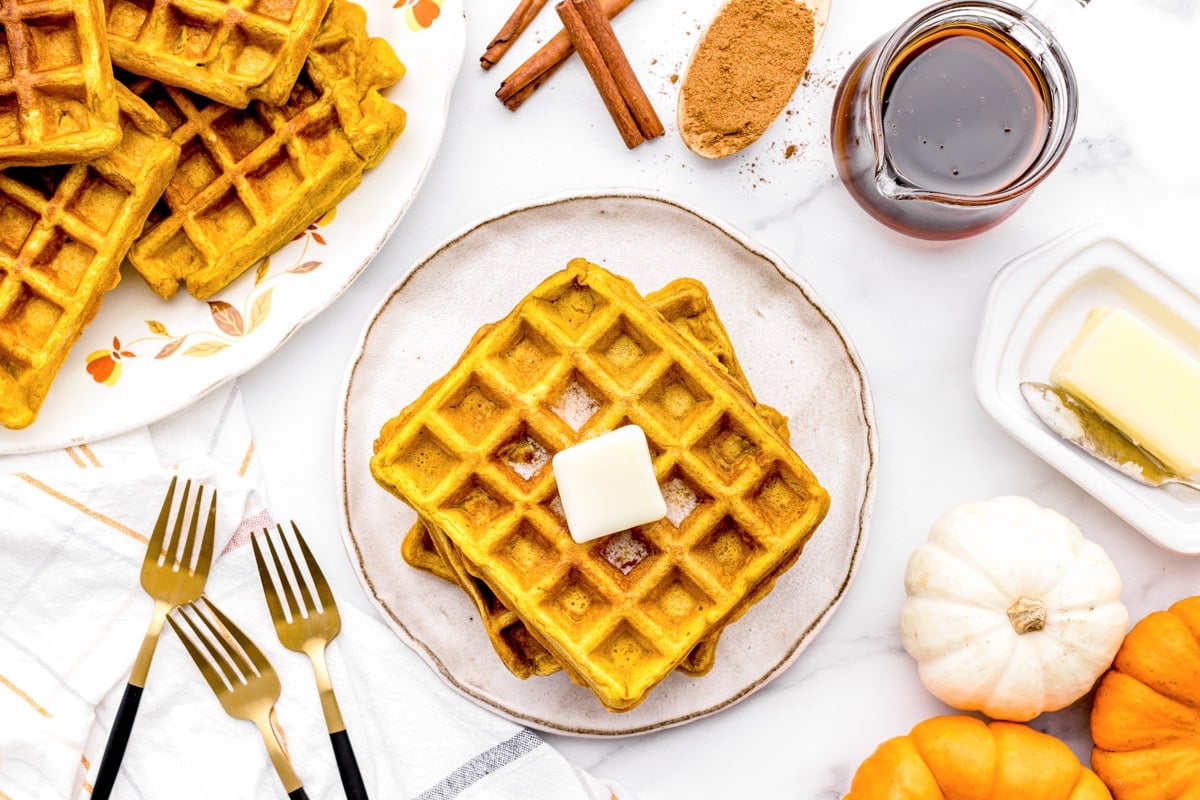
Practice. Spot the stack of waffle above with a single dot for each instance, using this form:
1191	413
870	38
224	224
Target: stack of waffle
583	354
226	127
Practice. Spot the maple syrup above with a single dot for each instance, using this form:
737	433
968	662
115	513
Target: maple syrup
964	112
942	127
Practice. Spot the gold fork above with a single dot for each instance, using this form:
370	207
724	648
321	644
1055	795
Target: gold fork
307	627
173	572
239	675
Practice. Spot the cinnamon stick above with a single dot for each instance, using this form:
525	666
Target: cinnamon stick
525	12
614	58
589	51
525	79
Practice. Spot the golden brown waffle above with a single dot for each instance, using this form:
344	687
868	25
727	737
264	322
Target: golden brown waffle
584	330
523	655
63	233
58	100
251	179
418	550
685	304
232	51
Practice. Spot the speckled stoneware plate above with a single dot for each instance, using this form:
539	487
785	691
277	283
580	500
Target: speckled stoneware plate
794	354
150	358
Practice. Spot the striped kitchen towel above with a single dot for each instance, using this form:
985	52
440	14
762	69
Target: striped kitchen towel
73	527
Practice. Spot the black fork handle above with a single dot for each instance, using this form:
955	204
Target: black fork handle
118	739
352	781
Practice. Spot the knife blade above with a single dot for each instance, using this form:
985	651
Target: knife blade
1078	424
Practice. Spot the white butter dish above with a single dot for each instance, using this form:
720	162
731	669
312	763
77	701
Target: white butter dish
1034	309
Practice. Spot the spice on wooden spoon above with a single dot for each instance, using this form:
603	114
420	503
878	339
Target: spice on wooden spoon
745	70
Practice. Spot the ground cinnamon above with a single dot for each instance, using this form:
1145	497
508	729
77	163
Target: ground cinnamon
744	71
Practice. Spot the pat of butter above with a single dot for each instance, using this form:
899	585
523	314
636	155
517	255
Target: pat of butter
607	484
1143	384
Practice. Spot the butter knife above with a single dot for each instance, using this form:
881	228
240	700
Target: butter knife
1075	422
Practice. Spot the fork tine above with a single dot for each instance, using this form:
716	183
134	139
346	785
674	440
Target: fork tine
189	544
206	541
257	661
217	638
297	573
173	543
289	596
318	577
264	576
155	545
219	680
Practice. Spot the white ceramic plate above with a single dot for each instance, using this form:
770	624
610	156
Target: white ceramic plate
1036	306
794	353
172	353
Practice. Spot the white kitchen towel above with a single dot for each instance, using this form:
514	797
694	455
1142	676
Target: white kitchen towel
73	531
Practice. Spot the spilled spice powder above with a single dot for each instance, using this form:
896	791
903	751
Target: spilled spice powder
744	71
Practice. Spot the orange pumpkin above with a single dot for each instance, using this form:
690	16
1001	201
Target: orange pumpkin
961	758
1146	712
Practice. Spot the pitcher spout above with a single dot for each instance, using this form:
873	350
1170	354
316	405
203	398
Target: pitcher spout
889	184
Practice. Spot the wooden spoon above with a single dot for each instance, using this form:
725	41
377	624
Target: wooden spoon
744	71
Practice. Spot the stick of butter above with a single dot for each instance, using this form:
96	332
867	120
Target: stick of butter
1143	384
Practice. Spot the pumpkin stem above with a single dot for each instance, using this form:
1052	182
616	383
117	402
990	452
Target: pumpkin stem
1027	615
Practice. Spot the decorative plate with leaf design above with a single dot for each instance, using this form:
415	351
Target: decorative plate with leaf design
794	354
143	358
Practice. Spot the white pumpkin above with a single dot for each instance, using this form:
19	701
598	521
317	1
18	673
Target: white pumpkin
1010	611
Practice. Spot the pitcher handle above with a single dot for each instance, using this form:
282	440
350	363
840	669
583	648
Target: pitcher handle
1052	13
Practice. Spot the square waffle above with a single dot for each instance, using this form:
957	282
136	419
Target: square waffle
685	304
472	455
233	51
250	180
63	233
57	95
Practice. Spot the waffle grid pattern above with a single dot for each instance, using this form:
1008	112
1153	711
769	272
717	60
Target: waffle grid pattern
63	234
619	633
250	179
57	94
240	170
685	305
521	653
233	51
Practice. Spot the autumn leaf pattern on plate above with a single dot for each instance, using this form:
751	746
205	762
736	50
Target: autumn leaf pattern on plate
420	14
231	322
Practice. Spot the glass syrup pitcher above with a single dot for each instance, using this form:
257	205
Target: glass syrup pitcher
942	127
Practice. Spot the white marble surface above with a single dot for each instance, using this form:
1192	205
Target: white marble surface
911	308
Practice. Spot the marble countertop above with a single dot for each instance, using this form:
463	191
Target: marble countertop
912	309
